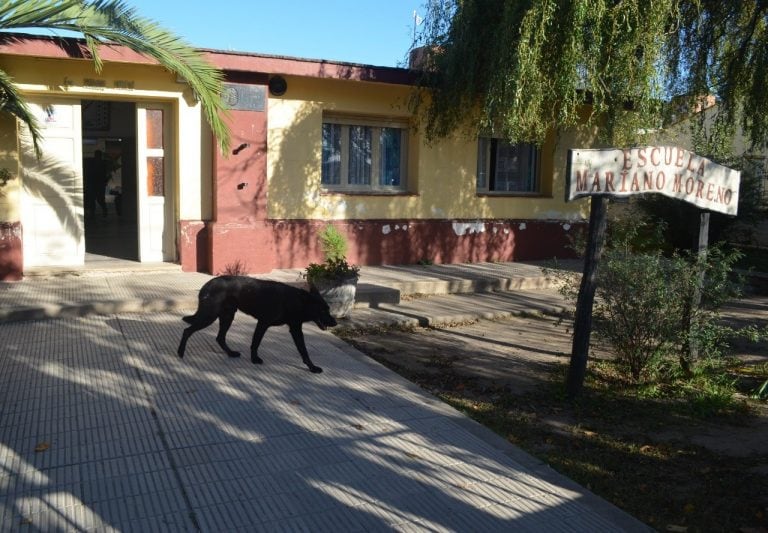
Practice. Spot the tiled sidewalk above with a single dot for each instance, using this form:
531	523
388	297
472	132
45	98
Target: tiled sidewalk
103	428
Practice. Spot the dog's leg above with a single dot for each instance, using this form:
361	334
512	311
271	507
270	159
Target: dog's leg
183	344
258	334
199	324
226	316
298	339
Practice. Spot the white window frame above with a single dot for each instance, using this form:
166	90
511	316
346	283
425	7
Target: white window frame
484	164
376	125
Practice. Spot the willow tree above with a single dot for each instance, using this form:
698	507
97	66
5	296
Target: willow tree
521	69
108	23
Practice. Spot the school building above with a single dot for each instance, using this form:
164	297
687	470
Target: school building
312	142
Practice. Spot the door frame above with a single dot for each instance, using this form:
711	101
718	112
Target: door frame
157	230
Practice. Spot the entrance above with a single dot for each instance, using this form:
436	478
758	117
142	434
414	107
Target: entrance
110	189
119	211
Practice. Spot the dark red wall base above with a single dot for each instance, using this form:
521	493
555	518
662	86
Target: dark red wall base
263	246
193	246
11	252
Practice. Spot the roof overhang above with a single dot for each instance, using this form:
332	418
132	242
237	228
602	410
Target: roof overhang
22	44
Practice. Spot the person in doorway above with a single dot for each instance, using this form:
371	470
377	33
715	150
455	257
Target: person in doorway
96	173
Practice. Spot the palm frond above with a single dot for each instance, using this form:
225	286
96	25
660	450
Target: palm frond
113	22
13	103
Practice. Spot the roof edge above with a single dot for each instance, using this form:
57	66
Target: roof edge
58	47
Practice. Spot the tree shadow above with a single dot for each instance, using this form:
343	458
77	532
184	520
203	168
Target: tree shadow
103	426
60	185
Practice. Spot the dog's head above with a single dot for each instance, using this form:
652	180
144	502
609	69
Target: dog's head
319	312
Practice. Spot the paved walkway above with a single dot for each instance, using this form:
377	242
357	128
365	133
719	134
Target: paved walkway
103	428
391	290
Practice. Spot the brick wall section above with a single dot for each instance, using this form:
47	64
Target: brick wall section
11	252
264	245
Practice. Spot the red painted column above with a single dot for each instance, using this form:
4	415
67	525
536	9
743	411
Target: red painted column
238	235
11	252
193	246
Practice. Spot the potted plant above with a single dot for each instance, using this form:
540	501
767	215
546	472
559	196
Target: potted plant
335	279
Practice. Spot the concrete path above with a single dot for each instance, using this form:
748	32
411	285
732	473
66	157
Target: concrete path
103	428
54	294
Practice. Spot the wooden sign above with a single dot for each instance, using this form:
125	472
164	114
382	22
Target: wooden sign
669	170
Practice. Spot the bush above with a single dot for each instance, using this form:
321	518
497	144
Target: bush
637	310
335	268
643	300
333	244
238	268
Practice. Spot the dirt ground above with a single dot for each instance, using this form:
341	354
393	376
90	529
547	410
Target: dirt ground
513	361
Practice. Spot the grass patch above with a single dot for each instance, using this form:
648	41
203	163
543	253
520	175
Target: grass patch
605	442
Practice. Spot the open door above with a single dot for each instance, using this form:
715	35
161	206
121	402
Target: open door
52	186
156	235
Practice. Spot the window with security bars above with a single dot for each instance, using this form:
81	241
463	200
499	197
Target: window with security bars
362	155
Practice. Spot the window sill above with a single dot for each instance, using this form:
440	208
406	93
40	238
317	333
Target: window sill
512	195
366	193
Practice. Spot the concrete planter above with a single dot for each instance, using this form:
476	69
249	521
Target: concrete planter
338	294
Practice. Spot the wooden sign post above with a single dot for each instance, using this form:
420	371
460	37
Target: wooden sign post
582	326
601	174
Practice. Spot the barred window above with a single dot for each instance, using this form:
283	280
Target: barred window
363	154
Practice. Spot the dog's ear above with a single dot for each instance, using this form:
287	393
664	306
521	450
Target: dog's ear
313	290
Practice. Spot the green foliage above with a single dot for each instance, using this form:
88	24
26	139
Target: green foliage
103	22
524	69
333	244
637	310
335	268
722	48
643	300
331	270
761	392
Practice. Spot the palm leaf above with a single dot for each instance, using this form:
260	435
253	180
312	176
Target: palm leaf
112	22
13	103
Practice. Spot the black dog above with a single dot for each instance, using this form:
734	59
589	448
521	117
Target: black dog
270	302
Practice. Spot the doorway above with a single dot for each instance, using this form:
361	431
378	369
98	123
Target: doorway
130	216
111	220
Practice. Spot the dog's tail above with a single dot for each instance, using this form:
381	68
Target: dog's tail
188	319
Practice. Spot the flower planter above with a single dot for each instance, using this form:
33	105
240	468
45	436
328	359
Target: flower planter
338	294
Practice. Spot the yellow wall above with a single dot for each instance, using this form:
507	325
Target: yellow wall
9	193
441	176
148	83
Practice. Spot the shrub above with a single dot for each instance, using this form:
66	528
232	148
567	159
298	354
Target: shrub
238	268
637	310
335	268
643	305
333	244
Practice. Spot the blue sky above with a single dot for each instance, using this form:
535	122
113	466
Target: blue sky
374	32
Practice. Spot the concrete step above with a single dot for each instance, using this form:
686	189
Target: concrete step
102	269
371	295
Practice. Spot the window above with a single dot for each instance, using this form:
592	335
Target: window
505	167
364	155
